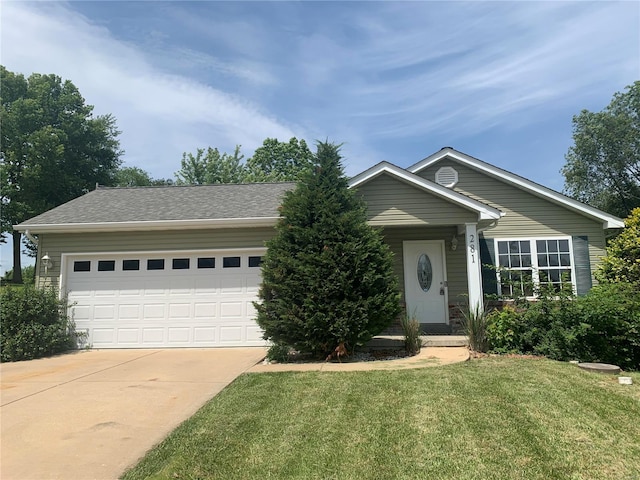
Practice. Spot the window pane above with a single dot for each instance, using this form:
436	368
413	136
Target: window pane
526	260
131	265
515	261
541	245
544	276
565	260
554	275
514	247
106	265
180	264
542	260
502	247
564	245
82	266
155	264
525	247
207	262
553	245
230	262
255	261
554	260
504	260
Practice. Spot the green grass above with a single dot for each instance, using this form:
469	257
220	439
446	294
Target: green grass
492	418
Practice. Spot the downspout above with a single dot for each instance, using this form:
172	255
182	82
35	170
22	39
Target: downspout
27	234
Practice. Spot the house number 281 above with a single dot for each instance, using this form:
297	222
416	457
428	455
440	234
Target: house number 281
472	248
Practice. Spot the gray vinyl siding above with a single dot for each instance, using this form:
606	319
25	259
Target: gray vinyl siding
55	244
391	202
455	260
526	215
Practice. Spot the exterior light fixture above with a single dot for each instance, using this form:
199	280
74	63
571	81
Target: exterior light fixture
47	263
454	243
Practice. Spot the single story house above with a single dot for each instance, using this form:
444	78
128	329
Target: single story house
179	266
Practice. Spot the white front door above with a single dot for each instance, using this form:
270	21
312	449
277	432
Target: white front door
425	282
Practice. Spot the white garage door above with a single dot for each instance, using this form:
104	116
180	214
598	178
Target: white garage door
177	299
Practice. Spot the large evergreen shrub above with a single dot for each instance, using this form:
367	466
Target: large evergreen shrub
34	324
327	275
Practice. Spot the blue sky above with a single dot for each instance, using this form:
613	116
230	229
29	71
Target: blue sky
393	81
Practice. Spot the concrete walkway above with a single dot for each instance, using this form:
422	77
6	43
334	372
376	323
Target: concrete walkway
92	414
428	357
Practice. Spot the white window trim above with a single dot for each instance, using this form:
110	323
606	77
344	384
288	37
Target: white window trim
534	260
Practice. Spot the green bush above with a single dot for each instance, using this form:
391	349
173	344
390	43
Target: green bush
622	263
34	324
602	326
505	330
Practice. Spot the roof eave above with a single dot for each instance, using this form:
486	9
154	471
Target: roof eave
148	225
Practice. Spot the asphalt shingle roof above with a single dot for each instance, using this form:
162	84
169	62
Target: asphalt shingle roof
196	202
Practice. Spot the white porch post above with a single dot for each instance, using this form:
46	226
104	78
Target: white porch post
474	272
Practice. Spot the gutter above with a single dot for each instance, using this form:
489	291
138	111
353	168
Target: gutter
149	225
27	234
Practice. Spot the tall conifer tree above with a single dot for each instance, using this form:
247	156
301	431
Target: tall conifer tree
327	274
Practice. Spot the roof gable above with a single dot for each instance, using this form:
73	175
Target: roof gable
609	221
485	212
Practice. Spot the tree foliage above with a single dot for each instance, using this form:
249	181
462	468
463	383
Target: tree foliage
327	275
603	165
278	161
622	262
137	177
274	161
210	166
53	148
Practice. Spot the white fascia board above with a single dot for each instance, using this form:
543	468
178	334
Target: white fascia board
485	212
147	226
609	221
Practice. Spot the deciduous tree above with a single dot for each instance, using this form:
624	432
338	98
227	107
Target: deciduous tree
603	165
53	148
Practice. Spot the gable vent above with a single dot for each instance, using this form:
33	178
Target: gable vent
447	177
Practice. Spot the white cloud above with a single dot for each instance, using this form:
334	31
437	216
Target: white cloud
156	111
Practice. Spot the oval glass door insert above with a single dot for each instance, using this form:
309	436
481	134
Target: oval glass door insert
425	272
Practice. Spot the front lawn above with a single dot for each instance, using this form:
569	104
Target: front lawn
491	418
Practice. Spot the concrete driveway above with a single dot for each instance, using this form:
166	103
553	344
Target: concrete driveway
91	414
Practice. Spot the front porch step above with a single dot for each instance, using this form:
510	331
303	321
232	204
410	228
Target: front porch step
397	341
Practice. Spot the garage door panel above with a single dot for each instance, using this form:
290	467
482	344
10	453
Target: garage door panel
179	335
153	310
81	313
179	310
128	336
230	334
129	312
205	310
204	335
153	335
177	307
105	336
104	312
